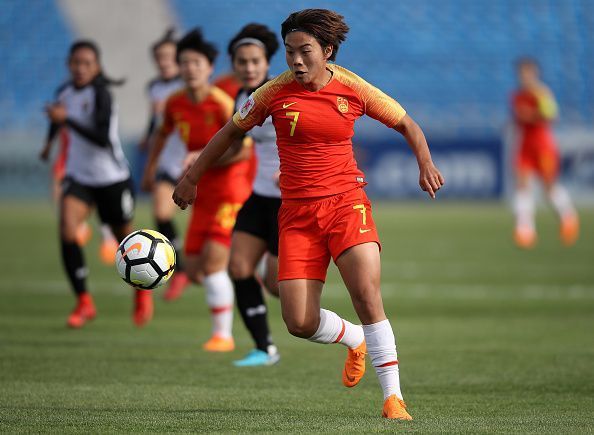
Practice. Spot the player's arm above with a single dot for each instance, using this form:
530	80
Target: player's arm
185	191
150	168
547	106
237	152
53	130
98	133
430	179
385	109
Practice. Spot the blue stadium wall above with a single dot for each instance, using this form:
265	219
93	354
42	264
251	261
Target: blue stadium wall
448	62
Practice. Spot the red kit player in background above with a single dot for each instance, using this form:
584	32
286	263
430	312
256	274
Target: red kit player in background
534	109
196	113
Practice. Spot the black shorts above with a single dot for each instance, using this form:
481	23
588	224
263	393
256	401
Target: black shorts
114	202
259	217
163	176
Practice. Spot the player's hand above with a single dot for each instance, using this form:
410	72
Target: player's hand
148	181
56	113
430	179
184	193
45	153
276	179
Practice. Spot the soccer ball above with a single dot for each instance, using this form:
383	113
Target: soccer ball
145	259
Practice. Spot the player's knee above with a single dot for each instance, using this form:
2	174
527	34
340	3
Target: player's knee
68	231
368	301
271	284
302	328
239	268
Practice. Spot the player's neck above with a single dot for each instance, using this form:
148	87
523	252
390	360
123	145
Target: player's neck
198	94
319	82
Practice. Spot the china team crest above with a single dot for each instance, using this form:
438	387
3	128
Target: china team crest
343	104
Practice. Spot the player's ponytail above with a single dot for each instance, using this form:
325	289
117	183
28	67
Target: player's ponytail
91	45
257	34
167	38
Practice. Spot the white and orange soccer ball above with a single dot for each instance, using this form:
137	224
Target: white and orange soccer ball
145	259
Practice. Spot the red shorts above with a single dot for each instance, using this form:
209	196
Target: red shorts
213	218
543	161
313	230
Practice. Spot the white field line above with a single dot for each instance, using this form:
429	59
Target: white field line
390	290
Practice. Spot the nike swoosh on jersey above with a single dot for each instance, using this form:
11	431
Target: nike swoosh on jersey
285	105
362	231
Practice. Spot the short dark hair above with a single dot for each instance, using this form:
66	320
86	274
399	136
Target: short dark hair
325	25
92	45
85	43
259	32
167	38
193	40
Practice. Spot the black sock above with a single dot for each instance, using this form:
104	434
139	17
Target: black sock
74	264
168	230
252	308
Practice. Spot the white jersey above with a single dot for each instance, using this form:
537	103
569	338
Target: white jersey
264	138
95	157
174	152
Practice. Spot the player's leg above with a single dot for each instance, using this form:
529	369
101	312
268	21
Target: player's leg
109	245
359	267
115	205
558	196
271	277
524	209
75	207
164	210
246	252
212	265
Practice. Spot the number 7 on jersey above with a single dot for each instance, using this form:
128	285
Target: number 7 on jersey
295	116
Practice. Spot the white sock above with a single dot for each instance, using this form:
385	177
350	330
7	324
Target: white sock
524	209
561	201
381	347
219	297
106	233
333	329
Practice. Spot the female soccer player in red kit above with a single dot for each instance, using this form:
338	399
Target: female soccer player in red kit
325	212
197	112
534	109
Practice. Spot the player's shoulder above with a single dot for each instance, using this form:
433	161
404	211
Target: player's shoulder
273	86
222	98
176	97
348	78
62	88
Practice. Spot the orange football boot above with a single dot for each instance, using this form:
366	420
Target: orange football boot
354	366
107	251
525	237
570	230
395	408
177	285
83	234
219	344
83	312
143	307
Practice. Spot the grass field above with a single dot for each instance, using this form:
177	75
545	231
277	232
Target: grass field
490	339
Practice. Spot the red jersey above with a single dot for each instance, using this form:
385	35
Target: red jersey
229	84
537	134
314	130
197	123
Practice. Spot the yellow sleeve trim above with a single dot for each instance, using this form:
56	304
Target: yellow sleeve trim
377	104
223	99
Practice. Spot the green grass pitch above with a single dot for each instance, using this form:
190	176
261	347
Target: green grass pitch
490	339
